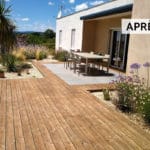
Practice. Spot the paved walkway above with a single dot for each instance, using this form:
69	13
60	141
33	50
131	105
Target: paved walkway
72	78
40	114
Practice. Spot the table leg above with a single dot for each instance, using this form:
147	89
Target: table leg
86	66
74	66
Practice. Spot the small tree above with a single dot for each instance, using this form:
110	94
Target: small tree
7	28
49	33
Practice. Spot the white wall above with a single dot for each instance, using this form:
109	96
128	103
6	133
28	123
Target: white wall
66	24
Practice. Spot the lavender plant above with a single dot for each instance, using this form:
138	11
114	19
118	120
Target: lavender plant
134	93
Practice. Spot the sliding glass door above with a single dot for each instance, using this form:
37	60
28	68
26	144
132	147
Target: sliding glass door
118	50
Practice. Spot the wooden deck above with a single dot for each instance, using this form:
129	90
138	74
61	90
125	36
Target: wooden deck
48	114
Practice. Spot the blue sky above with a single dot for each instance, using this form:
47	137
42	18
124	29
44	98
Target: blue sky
39	15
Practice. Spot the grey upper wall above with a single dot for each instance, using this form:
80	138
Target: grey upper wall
73	21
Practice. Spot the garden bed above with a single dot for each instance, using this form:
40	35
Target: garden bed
134	117
32	73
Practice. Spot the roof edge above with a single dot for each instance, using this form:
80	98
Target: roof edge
86	9
111	11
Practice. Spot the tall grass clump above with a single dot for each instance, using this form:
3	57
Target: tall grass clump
61	55
19	54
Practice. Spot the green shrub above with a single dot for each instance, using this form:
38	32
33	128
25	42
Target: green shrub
134	92
61	55
146	112
42	55
21	67
9	60
26	66
143	104
125	89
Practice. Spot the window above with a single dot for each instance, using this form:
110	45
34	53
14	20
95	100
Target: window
119	49
60	38
73	38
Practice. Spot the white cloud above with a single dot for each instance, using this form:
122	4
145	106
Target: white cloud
35	26
81	6
67	11
96	2
7	0
50	3
25	19
71	1
41	26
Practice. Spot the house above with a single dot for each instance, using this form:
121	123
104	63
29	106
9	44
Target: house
99	29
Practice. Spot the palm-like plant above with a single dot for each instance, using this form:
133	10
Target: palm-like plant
7	34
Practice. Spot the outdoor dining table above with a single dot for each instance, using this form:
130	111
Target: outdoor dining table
89	56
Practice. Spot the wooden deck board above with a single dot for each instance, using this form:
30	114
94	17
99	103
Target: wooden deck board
20	143
3	115
49	114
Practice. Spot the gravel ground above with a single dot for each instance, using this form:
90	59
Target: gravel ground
33	73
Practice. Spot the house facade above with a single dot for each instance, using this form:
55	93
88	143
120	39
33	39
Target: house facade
98	29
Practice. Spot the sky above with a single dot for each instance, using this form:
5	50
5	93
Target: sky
39	15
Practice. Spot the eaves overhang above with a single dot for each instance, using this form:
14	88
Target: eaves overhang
108	12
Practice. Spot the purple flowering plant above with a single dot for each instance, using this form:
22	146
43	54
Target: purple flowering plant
135	68
133	93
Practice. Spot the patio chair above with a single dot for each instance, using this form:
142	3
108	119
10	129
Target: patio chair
79	65
69	59
105	62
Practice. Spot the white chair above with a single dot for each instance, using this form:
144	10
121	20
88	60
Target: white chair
106	62
69	59
79	65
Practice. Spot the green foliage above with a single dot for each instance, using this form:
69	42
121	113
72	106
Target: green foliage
46	38
7	34
21	67
61	55
134	93
146	112
26	66
143	104
9	60
42	55
35	39
49	33
1	70
106	94
126	90
50	43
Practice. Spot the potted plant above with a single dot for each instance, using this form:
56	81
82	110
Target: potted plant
106	94
2	74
